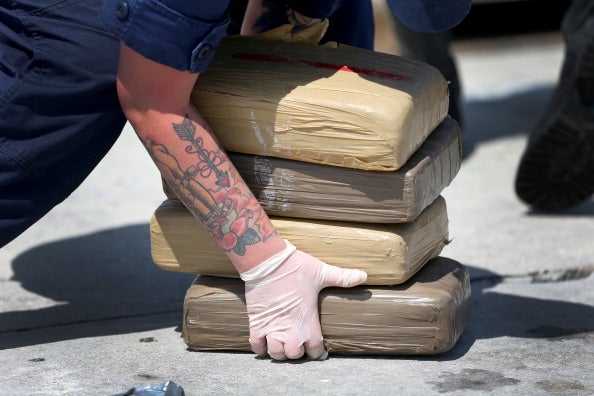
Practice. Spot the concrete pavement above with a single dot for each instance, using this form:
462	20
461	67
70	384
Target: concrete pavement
83	311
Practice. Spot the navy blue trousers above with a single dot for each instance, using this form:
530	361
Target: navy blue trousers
59	111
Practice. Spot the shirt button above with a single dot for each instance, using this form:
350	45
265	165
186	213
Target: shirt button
204	51
122	10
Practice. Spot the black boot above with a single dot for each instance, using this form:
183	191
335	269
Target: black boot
556	170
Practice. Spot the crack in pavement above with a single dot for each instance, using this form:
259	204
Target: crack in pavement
544	276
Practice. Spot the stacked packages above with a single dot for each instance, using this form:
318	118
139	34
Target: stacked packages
348	152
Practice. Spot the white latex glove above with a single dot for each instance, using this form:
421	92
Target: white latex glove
282	303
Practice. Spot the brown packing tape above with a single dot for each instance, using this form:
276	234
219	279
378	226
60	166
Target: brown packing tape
335	106
424	316
389	253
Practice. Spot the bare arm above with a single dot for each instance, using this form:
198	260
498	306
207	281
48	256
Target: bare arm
282	283
156	101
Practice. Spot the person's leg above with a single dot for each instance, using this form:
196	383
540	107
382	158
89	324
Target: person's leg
352	24
59	112
433	49
556	170
236	12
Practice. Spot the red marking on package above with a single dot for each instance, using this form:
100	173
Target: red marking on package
321	65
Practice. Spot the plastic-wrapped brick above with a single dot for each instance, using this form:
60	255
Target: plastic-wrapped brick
423	316
337	106
290	188
389	253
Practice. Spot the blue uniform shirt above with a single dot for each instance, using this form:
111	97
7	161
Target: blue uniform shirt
182	34
165	35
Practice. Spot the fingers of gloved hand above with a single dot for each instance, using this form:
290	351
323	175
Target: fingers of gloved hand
282	346
276	346
314	347
294	348
258	344
331	275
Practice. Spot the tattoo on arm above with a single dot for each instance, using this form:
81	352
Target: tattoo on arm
209	161
211	193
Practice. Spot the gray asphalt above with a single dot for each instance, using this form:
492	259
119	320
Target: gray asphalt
84	311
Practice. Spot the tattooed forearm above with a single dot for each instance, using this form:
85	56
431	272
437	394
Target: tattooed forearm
212	190
184	185
209	161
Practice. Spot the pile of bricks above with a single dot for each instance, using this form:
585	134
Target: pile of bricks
348	152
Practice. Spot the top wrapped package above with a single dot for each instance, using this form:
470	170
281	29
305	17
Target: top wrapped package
333	105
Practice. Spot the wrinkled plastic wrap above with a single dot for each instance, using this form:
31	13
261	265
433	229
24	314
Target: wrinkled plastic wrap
336	106
390	253
423	316
165	389
299	189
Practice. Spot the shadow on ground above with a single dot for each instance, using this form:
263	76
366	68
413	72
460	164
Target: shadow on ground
495	315
95	277
110	275
505	116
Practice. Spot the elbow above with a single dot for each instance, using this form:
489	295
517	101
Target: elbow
147	89
145	106
135	109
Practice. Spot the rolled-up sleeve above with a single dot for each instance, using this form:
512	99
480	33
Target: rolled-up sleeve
177	38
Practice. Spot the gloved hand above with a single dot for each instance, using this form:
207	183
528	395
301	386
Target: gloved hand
274	21
282	303
287	33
